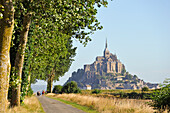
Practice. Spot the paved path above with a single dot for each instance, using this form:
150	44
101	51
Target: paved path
53	106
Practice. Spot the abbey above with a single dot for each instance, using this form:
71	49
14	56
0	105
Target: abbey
107	72
107	63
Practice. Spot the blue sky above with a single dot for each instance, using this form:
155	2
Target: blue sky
138	31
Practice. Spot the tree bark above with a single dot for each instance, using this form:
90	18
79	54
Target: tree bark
15	101
29	80
6	30
50	83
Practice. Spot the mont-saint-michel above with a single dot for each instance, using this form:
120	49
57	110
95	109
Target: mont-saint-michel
108	72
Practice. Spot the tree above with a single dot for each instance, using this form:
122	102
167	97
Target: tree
145	89
19	59
62	23
6	29
161	97
57	89
123	71
71	87
23	15
129	76
50	62
135	76
96	91
65	62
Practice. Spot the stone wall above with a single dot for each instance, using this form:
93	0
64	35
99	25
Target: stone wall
86	68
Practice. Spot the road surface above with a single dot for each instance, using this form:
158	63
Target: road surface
53	106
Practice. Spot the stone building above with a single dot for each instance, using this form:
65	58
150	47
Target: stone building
87	87
107	63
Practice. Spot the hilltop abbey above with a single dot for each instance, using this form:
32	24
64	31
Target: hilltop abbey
107	72
107	63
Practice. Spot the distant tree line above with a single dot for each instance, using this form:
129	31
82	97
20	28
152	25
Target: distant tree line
70	87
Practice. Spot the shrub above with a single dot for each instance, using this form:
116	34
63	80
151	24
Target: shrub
122	94
57	89
161	98
96	91
71	87
30	92
133	95
145	89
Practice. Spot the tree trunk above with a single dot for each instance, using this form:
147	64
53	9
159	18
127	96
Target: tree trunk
50	83
15	101
6	30
29	80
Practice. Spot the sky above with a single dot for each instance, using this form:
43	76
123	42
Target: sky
138	32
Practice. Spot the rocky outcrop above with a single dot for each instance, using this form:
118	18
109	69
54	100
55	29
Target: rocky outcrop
107	72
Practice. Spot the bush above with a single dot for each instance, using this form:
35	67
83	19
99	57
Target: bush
133	95
161	98
71	87
123	94
96	91
30	92
145	89
57	89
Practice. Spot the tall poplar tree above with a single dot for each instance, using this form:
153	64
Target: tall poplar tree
6	29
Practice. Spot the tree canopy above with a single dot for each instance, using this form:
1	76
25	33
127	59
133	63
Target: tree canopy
49	26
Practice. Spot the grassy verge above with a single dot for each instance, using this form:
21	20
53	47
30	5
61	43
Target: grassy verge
31	105
41	110
83	108
108	105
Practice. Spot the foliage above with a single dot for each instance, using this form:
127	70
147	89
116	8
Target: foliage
133	95
129	77
25	88
135	76
25	84
54	22
50	62
71	87
145	89
96	91
57	89
30	92
123	71
123	94
69	18
24	93
161	97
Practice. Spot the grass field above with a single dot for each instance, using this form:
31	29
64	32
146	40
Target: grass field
31	105
131	94
108	105
116	91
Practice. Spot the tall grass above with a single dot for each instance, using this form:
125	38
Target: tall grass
116	91
31	105
108	105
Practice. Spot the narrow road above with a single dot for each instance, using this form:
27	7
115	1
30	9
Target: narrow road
53	106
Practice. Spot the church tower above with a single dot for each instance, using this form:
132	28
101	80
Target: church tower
106	51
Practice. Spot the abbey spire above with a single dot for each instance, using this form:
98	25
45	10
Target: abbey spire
106	43
106	51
